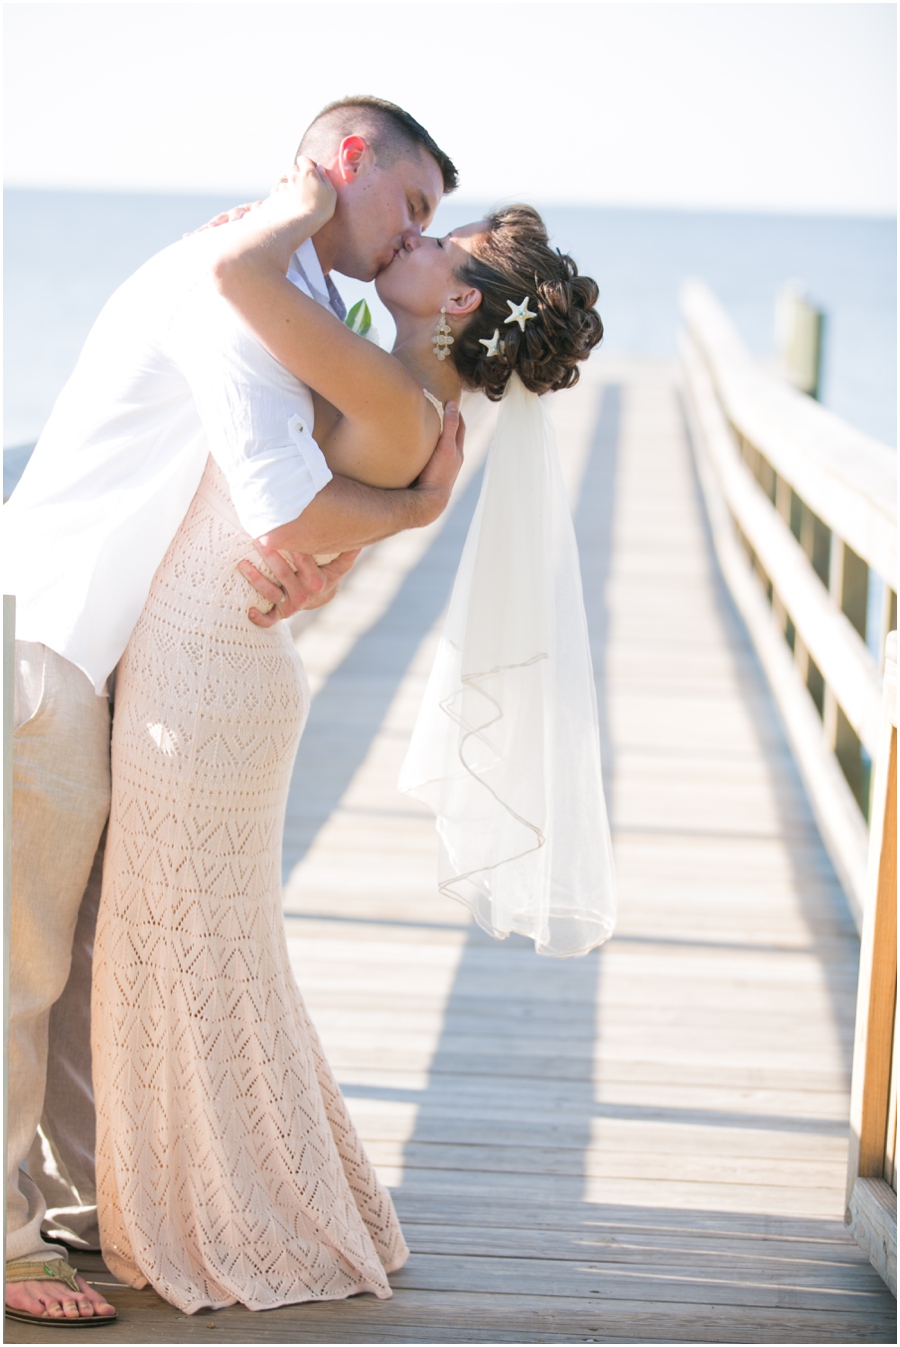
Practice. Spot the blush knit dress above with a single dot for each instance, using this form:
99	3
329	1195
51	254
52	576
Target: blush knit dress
228	1168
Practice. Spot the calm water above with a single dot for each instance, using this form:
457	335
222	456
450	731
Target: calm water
65	252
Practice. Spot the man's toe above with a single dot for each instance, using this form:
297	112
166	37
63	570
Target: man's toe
97	1302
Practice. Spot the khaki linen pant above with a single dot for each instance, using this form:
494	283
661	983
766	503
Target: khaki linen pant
60	808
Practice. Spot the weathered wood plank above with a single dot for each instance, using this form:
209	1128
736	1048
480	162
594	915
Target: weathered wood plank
720	1249
448	1316
592	1276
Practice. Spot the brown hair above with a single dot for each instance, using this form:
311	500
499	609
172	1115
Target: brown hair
392	132
513	260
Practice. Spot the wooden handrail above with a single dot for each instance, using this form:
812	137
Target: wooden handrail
848	479
836	646
802	507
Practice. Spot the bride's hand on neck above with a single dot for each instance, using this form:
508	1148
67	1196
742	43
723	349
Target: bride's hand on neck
268	236
302	201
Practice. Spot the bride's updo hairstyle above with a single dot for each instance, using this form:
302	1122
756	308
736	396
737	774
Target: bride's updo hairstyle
511	260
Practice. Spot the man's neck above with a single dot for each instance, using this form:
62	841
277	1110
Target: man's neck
325	248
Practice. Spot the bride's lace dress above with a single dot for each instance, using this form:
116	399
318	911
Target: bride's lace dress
228	1167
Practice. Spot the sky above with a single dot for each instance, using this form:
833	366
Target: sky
764	107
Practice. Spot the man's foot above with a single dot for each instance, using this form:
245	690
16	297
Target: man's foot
56	1300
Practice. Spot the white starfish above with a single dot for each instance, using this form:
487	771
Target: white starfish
491	344
520	313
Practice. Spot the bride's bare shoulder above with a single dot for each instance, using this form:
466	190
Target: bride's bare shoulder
391	456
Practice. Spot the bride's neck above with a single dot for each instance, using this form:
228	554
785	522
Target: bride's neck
414	349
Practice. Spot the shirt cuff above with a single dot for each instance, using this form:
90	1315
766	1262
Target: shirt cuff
275	485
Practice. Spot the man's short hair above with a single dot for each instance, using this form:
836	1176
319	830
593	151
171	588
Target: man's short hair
390	131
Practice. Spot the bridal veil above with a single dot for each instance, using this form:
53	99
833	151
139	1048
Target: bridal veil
506	748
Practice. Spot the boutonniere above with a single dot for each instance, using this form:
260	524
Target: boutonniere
359	320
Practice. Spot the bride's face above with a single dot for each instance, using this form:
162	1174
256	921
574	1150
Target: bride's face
421	280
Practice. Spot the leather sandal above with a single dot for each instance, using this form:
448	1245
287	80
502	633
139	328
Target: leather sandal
51	1270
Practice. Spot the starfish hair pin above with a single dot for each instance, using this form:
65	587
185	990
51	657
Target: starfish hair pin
492	345
520	313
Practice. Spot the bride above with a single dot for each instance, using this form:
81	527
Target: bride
228	1167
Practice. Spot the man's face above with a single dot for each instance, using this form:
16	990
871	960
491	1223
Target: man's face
380	208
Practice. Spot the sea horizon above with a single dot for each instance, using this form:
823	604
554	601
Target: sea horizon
67	250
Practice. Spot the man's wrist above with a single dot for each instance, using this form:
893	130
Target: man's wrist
427	504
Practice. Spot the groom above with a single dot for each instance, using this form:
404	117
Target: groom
167	376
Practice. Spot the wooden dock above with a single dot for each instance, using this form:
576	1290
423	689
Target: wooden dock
645	1145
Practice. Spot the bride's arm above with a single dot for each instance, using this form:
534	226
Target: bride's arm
387	431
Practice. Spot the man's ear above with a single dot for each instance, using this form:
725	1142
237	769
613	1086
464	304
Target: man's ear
353	155
464	302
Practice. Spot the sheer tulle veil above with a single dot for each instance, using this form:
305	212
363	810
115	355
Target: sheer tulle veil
506	748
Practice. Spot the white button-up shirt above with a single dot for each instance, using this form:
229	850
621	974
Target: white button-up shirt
167	375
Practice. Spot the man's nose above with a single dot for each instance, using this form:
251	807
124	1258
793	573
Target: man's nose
412	237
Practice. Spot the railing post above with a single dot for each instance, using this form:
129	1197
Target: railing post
800	330
871	1201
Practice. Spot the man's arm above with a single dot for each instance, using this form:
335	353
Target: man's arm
256	415
345	515
352	510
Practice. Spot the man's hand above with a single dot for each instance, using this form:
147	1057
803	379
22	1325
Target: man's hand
299	583
225	217
435	481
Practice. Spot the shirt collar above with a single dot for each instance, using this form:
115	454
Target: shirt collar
306	260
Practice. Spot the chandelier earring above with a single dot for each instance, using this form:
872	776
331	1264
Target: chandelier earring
442	339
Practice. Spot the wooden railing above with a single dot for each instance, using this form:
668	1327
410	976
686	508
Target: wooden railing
803	513
802	509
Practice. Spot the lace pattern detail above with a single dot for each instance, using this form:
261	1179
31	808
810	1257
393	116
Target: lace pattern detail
228	1167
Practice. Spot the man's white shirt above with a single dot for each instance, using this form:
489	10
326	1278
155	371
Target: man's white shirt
167	376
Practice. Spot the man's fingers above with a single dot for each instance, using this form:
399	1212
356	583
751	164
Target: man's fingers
341	564
455	425
454	431
297	582
265	588
295	568
264	619
332	573
451	422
